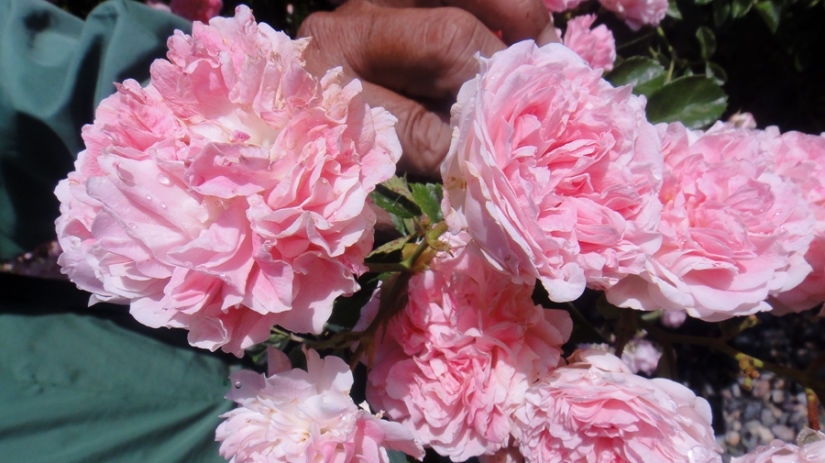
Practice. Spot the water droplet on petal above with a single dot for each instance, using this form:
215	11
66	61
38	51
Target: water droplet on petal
164	180
237	384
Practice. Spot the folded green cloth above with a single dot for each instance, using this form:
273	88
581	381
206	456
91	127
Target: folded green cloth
82	384
54	69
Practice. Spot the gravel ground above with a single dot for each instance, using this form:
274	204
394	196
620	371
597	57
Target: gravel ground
773	407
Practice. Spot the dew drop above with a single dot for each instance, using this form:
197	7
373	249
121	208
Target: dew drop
163	205
164	180
237	384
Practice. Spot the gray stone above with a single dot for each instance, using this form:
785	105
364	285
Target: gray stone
783	432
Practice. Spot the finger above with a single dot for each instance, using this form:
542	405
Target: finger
426	52
424	134
418	52
516	19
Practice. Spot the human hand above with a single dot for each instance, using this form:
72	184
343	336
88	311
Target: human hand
413	55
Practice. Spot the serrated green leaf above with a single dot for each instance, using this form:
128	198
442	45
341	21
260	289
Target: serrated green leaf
770	13
721	12
740	8
673	10
644	74
428	198
398	223
391	246
707	41
696	101
398	185
394	203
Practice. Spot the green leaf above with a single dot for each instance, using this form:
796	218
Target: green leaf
702	2
707	41
391	246
395	197
696	101
644	74
393	203
77	388
428	199
716	72
673	10
399	186
770	13
741	7
721	12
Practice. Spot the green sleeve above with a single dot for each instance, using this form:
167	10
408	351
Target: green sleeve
54	69
81	384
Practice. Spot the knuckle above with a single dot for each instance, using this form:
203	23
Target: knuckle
453	28
314	24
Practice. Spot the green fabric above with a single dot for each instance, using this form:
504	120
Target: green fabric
54	69
76	387
81	384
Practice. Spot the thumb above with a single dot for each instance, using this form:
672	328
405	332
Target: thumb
424	134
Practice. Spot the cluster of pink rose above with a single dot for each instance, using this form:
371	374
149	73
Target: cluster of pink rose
559	176
474	369
213	198
597	45
635	13
230	195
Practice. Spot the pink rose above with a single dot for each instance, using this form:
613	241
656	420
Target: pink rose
557	6
553	171
596	46
801	158
641	355
455	363
813	451
299	416
214	198
734	231
596	410
638	12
